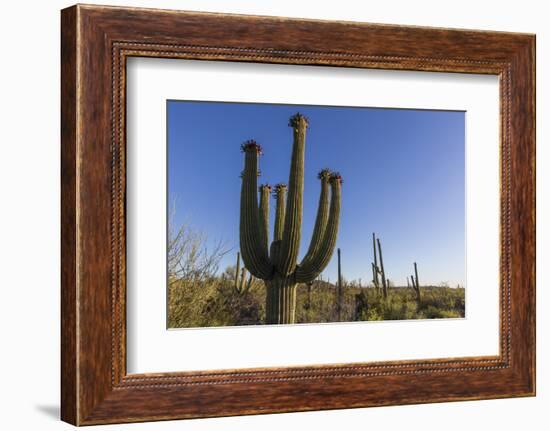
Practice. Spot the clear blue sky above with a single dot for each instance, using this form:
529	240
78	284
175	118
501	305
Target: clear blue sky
403	170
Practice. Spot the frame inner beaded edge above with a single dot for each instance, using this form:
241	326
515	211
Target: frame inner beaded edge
119	378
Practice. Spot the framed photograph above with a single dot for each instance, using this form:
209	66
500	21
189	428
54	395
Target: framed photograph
265	215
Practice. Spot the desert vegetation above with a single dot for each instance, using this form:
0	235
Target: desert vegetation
202	296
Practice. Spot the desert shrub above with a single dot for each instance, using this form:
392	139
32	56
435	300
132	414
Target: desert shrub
192	276
230	308
431	312
187	300
442	302
401	304
316	303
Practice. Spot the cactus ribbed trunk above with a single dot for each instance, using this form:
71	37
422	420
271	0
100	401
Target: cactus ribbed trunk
281	300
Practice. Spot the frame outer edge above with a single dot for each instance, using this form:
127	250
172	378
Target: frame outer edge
523	209
87	396
533	55
532	83
69	201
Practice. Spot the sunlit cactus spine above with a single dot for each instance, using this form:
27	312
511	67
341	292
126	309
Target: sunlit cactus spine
278	264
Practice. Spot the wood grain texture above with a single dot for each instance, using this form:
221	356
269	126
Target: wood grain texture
69	397
96	41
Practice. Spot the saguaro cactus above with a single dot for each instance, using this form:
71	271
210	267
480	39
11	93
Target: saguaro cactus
415	285
378	272
278	264
375	279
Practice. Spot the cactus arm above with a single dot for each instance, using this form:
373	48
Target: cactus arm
280	211
383	273
381	270
375	269
312	269
280	197
254	256
265	191
374	249
321	219
290	245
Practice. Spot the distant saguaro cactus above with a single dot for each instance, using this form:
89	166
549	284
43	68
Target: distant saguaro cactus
278	264
378	272
415	285
240	285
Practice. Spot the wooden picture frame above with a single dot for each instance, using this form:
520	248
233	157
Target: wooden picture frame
95	43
